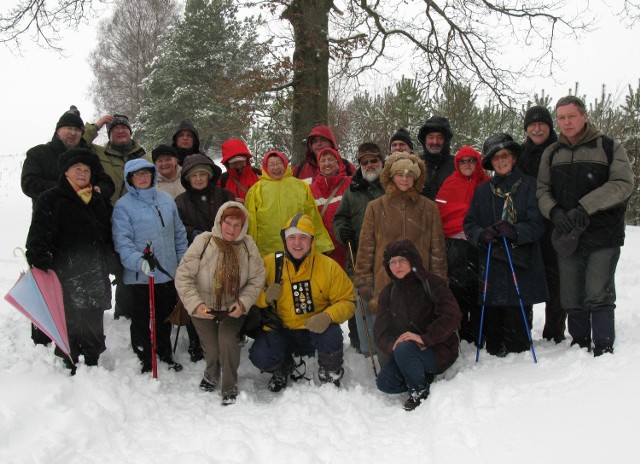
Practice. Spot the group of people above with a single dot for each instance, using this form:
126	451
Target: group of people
417	249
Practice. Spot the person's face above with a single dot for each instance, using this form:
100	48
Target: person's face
79	174
403	181
231	228
275	167
371	167
318	143
399	266
399	145
198	180
185	139
238	165
538	132
434	142
142	179
328	165
467	165
503	162
120	135
70	136
167	165
570	121
298	245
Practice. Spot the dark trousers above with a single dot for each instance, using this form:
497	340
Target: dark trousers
165	301
555	317
407	370
85	328
505	330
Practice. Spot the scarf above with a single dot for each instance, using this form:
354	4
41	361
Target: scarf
508	209
226	278
84	194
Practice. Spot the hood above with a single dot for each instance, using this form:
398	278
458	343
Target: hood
406	249
385	178
193	160
436	124
342	169
186	125
322	131
279	154
234	147
467	151
217	231
135	165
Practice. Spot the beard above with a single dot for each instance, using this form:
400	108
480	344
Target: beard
370	176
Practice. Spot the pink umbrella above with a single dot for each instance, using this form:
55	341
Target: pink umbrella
38	295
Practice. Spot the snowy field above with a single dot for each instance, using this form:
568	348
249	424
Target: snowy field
568	408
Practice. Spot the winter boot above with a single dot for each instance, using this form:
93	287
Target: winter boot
70	365
195	351
228	400
330	367
91	360
280	375
327	376
582	342
416	397
600	350
207	385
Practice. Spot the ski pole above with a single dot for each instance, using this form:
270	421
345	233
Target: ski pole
524	317
364	317
148	255
484	300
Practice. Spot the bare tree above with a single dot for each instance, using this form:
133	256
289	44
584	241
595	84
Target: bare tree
127	44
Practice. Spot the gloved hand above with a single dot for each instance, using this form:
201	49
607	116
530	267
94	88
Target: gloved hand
146	268
273	292
195	233
366	292
488	235
560	220
347	234
581	218
318	323
504	229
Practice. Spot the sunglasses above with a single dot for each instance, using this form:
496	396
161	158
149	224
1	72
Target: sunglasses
371	161
468	161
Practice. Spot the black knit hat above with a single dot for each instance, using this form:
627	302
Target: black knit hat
402	135
79	155
494	144
537	114
118	120
71	118
163	150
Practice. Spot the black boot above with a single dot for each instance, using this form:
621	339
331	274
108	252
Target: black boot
281	374
330	367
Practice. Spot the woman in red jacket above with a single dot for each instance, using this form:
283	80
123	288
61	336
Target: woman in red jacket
240	175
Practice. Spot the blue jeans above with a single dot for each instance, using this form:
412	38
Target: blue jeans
407	369
588	294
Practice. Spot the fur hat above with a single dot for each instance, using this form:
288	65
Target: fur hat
566	244
163	150
118	120
402	135
408	161
71	118
494	144
79	155
436	124
537	114
369	148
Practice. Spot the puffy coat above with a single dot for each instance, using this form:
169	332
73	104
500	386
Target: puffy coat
272	202
322	188
195	274
395	216
147	215
484	211
198	208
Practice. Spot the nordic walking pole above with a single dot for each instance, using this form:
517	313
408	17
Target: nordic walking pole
364	317
484	300
148	255
524	316
175	344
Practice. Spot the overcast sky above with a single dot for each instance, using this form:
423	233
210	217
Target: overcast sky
39	86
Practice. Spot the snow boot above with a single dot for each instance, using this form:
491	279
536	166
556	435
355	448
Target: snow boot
195	351
600	350
416	397
206	385
280	375
228	400
327	376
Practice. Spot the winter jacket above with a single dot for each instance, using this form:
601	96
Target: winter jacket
40	169
395	216
484	211
143	216
273	202
198	208
74	239
308	169
331	290
195	274
322	188
173	186
581	174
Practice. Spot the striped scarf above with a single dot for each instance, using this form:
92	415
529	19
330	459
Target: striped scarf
508	209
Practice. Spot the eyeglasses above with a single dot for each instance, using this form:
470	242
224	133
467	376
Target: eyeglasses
275	165
468	161
397	260
371	161
138	174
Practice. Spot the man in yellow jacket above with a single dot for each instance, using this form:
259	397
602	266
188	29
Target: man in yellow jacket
313	297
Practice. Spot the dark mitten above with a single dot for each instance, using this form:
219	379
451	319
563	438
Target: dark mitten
488	235
507	230
347	234
581	218
560	220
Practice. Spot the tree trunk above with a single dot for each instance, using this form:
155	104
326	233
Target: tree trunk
310	22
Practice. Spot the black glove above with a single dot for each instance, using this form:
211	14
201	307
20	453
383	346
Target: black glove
560	220
504	229
195	233
581	218
347	234
488	235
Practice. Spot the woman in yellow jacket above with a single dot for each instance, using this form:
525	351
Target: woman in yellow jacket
312	299
275	198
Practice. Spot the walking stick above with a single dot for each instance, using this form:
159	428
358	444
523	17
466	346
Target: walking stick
484	300
364	317
524	316
148	255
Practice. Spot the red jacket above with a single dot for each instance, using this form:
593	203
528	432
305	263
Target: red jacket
454	197
236	182
308	169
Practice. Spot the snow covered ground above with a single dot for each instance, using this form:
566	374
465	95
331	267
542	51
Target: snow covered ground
568	408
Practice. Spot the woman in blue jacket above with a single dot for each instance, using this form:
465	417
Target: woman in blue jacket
147	215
